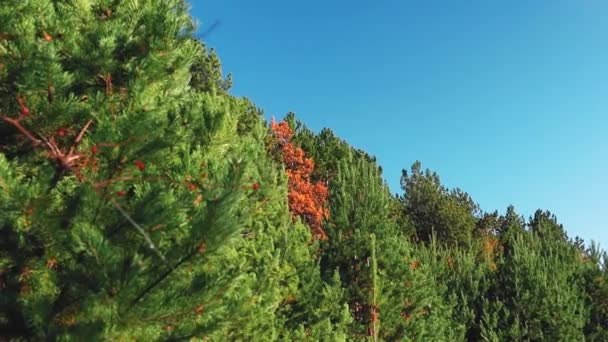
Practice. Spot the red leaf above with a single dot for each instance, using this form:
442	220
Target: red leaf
140	165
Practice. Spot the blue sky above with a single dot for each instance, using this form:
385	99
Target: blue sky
506	100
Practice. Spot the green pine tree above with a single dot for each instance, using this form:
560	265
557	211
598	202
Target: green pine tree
118	179
538	294
435	210
595	280
416	302
359	209
271	287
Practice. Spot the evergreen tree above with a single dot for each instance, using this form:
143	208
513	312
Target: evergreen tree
595	280
118	180
416	303
538	294
359	208
325	148
545	225
268	278
434	209
389	298
207	72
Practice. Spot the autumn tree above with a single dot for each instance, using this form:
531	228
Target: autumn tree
307	199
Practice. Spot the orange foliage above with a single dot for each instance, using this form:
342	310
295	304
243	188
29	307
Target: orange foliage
414	265
490	250
306	199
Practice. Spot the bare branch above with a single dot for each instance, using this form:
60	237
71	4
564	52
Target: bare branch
140	229
81	134
23	130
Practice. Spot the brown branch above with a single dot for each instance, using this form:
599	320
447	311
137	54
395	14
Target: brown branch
80	135
23	130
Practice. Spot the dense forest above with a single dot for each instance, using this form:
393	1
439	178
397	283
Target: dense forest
141	201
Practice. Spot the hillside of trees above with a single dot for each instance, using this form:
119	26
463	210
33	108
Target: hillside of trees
141	201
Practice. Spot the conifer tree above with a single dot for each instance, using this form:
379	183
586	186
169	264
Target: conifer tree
595	280
385	302
358	209
207	72
538	294
416	302
545	225
271	288
468	273
117	179
325	148
434	209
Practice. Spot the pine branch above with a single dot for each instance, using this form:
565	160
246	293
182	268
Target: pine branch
107	182
80	135
17	124
139	229
162	277
196	250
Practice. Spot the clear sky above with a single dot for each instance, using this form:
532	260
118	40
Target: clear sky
507	100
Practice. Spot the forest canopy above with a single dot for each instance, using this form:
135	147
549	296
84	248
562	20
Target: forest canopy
141	200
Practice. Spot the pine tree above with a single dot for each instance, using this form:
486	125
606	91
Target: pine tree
468	274
538	294
325	148
358	206
416	301
434	209
117	180
207	73
271	287
595	280
545	225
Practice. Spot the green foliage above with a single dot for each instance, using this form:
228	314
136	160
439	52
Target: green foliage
538	294
595	280
268	279
141	201
359	207
415	301
137	241
325	148
207	73
434	209
545	225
